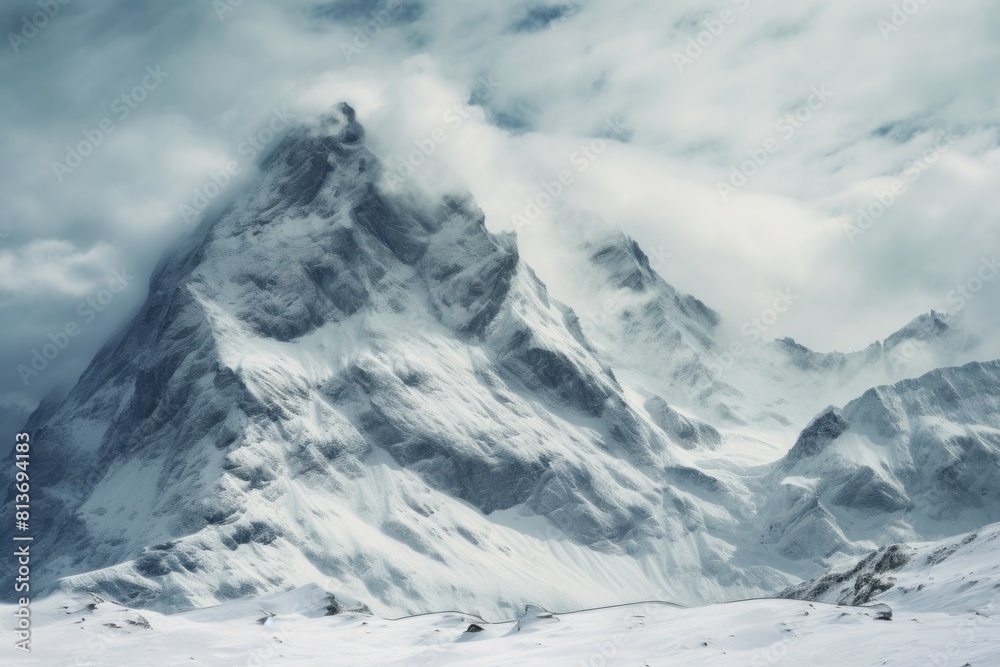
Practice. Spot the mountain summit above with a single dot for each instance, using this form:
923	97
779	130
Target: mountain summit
334	383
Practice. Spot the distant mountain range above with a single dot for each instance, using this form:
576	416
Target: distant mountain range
337	380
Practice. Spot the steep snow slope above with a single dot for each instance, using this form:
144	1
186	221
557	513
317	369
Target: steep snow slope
915	460
291	629
332	381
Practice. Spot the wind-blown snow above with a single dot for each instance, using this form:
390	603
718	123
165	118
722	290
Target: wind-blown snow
333	382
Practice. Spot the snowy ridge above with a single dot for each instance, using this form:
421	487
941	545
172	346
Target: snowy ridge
330	381
668	344
959	575
917	459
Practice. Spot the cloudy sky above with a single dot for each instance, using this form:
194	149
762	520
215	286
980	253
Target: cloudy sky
735	140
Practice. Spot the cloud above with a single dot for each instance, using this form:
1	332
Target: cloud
695	89
51	269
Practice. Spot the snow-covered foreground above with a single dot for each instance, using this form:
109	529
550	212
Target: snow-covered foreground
945	598
757	632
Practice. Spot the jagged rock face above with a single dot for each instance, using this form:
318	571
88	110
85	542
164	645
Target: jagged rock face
649	331
955	575
333	381
864	582
917	458
823	430
686	431
669	344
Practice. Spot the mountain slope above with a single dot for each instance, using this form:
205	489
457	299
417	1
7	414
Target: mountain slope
957	575
330	380
668	344
917	459
335	380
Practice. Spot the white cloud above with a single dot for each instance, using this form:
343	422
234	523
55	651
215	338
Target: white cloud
556	87
53	269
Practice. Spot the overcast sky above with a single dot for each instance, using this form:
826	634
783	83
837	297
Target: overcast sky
832	103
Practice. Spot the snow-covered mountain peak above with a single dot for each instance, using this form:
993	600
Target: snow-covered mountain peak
821	431
329	375
335	380
916	459
340	123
